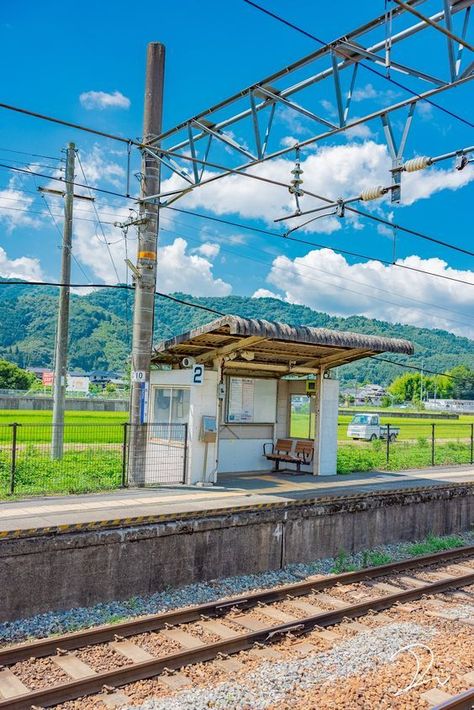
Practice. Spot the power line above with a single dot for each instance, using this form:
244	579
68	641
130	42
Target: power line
414	232
429	372
17	209
98	218
34	155
330	202
320	246
69	124
58	179
361	63
77	262
19	282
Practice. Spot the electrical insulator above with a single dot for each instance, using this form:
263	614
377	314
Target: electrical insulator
297	181
419	163
373	193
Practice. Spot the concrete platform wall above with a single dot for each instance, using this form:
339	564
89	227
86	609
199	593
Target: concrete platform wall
68	570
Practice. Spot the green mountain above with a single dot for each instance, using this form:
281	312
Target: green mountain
101	329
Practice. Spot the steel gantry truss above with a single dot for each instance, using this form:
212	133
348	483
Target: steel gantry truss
187	150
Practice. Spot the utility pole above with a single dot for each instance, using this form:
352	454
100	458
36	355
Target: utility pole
62	330
145	272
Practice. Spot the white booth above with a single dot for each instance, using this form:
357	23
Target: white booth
221	392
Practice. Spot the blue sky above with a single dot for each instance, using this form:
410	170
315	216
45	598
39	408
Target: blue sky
56	54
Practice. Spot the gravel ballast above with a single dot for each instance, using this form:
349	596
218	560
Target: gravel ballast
59	622
272	682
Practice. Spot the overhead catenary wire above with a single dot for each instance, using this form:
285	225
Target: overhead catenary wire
280	184
323	246
369	68
330	203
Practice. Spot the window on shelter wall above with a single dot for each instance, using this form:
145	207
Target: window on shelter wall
302	419
170	410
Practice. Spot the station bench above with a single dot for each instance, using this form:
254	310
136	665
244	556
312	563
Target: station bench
282	452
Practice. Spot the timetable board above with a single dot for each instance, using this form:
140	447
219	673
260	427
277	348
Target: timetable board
251	400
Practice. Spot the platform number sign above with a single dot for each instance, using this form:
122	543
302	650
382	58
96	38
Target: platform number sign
198	374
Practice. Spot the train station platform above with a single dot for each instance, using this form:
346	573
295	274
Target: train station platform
61	553
128	507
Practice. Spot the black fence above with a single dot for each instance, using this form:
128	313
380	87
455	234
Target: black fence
406	445
95	457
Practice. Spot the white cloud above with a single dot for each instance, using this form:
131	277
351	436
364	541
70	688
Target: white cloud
14	206
362	130
423	184
326	282
24	267
102	99
179	270
265	293
208	250
97	167
366	92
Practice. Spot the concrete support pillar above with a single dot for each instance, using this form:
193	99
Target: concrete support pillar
326	412
317	399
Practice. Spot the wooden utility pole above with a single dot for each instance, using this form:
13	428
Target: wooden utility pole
62	330
145	283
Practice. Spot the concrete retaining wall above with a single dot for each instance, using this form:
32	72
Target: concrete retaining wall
79	404
73	569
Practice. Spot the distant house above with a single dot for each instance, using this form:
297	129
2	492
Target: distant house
102	377
365	394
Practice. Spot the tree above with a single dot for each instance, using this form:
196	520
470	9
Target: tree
411	386
13	377
463	384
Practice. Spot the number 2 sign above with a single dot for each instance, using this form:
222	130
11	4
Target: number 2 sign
198	374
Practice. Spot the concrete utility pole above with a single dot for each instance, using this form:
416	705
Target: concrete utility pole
145	284
62	331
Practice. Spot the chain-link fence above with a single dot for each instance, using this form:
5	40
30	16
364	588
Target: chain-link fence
405	445
95	457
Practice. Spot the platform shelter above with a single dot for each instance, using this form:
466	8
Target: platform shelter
237	386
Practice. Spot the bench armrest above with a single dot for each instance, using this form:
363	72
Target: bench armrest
266	444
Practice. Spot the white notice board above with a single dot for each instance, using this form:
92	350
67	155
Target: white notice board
251	400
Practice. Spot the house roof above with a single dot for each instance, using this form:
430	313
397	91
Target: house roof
264	348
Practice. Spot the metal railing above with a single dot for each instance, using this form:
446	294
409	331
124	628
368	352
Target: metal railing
408	445
95	457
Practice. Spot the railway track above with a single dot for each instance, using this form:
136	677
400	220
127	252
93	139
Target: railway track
239	632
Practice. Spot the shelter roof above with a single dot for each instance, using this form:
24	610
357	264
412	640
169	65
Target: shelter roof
264	348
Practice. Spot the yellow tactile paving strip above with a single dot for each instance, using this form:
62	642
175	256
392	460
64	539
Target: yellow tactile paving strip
37	517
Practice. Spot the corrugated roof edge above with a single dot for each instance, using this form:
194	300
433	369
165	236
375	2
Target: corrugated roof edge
297	334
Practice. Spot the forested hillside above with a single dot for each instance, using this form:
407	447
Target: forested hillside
101	329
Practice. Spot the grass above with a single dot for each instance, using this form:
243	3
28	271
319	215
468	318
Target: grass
353	458
375	558
432	544
345	562
77	472
410	428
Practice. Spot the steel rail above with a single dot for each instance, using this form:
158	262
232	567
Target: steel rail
463	701
155	622
54	695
